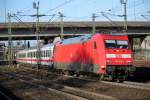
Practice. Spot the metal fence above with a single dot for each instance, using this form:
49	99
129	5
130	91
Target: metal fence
141	57
141	54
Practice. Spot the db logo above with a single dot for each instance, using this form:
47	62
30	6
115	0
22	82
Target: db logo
118	56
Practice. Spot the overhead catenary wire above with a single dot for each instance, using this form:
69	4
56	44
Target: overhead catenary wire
51	21
111	22
18	19
136	4
144	16
60	5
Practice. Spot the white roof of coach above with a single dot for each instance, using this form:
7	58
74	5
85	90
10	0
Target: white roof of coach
48	46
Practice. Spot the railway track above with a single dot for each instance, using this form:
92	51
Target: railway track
137	84
96	89
129	85
4	96
124	84
55	91
69	92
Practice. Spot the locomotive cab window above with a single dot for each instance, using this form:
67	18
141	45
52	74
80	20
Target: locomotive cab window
110	44
120	44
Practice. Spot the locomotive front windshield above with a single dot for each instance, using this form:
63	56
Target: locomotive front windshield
122	44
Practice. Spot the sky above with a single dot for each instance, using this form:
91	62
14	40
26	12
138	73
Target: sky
76	10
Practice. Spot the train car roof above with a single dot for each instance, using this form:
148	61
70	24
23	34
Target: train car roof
48	45
35	48
76	39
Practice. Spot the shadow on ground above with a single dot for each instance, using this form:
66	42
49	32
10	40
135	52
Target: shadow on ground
8	93
142	74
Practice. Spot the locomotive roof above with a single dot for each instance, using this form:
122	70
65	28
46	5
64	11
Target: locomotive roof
77	39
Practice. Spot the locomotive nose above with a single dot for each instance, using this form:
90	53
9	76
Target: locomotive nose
118	59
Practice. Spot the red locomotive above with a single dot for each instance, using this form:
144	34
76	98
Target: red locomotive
100	54
106	55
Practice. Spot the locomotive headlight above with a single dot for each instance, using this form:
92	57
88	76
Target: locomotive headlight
102	66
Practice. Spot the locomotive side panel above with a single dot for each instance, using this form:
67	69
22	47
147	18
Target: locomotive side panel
68	57
86	56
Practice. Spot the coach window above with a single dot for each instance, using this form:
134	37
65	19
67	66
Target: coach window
34	54
48	53
43	53
31	54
